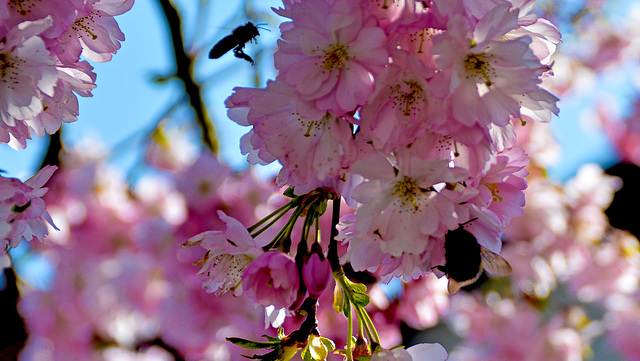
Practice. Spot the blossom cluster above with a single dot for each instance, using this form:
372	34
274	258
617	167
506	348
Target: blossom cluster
22	211
406	110
40	67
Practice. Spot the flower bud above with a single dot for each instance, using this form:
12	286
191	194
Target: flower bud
315	273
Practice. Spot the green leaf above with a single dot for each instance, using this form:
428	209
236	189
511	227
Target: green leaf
274	355
346	310
329	344
305	354
341	352
363	358
358	293
357	287
338	298
254	345
361	300
273	339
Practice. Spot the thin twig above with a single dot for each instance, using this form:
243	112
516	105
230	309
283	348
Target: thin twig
184	72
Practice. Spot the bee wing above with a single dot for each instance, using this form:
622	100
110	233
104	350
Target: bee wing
494	263
455	286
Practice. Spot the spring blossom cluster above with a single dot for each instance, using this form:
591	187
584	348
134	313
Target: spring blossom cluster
40	74
396	123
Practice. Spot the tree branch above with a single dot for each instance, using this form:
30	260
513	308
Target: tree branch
184	72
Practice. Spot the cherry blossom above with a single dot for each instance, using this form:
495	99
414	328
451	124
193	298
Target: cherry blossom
330	59
271	279
318	147
24	213
227	257
497	77
28	74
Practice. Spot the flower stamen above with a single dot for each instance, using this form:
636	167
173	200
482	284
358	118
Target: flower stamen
335	57
478	66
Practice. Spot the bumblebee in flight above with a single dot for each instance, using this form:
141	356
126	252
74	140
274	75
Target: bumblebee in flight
236	41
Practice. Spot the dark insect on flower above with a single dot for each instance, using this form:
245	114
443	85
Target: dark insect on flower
236	41
465	260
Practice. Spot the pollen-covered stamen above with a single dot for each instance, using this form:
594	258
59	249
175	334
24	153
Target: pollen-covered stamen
83	24
23	7
421	41
407	190
312	127
335	57
407	97
478	67
231	266
423	37
9	69
495	192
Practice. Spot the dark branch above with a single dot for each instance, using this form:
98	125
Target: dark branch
332	256
184	71
52	156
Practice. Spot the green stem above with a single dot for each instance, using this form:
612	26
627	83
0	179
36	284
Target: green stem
276	219
280	211
285	231
349	347
372	333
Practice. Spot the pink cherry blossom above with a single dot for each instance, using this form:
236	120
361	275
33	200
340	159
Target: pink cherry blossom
331	57
271	279
307	148
227	257
62	13
489	80
28	74
316	273
94	33
399	204
401	108
500	196
26	216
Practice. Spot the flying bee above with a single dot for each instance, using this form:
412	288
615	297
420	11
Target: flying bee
236	41
465	260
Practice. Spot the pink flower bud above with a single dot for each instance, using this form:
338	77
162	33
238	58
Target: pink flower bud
315	274
271	279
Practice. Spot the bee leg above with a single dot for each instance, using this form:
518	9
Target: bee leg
240	54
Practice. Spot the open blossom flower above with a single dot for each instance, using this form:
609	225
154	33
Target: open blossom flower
228	254
272	279
307	148
27	217
500	196
330	58
490	79
27	74
94	33
400	205
402	108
